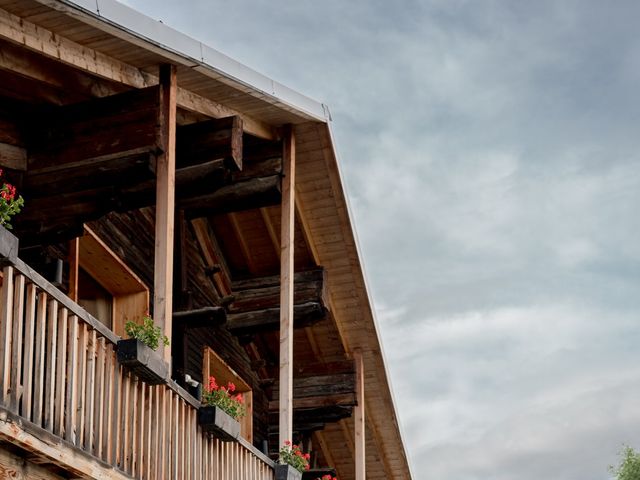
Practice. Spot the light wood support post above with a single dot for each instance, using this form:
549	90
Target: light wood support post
74	263
358	418
286	287
165	205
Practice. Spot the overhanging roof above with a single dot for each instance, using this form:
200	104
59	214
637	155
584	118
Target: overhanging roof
141	43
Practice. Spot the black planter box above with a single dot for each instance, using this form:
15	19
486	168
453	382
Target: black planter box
218	423
141	360
287	472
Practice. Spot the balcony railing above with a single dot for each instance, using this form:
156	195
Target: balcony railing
59	373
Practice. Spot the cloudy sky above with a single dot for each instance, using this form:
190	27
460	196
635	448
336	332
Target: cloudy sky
491	153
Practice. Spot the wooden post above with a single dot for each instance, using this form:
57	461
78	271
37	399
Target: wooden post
165	201
286	287
358	418
74	262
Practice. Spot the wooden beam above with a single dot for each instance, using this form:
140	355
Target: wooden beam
210	140
359	419
334	400
13	157
264	292
201	317
321	386
247	195
286	287
165	206
39	39
323	409
52	449
73	82
268	319
82	134
212	254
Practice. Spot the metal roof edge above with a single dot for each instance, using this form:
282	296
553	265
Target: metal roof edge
192	52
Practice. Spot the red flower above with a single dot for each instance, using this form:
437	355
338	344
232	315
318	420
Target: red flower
212	384
231	386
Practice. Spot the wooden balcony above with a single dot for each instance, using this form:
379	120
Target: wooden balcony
66	403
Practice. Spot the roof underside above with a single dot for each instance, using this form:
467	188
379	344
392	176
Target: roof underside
321	202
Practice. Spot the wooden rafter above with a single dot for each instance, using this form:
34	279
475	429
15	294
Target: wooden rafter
52	45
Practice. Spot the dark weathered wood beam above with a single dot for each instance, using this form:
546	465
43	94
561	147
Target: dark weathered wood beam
82	134
201	317
210	140
314	390
264	292
256	304
268	319
246	195
311	418
13	157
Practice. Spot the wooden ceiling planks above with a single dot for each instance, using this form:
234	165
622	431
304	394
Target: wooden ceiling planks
332	238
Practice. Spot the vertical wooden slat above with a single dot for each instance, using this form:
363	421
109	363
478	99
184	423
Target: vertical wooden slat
133	407
109	388
90	390
71	400
175	445
50	364
125	451
16	354
38	386
141	434
99	414
162	437
29	344
6	315
286	286
117	415
81	381
165	204
61	372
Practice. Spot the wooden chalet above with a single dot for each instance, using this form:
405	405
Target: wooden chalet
160	175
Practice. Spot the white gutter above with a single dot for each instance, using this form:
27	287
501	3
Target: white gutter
131	25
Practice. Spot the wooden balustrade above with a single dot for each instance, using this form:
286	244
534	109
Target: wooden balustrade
58	371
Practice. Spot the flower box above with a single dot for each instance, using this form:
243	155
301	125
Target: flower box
287	472
142	361
218	423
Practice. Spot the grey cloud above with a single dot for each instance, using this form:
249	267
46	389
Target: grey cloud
491	155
